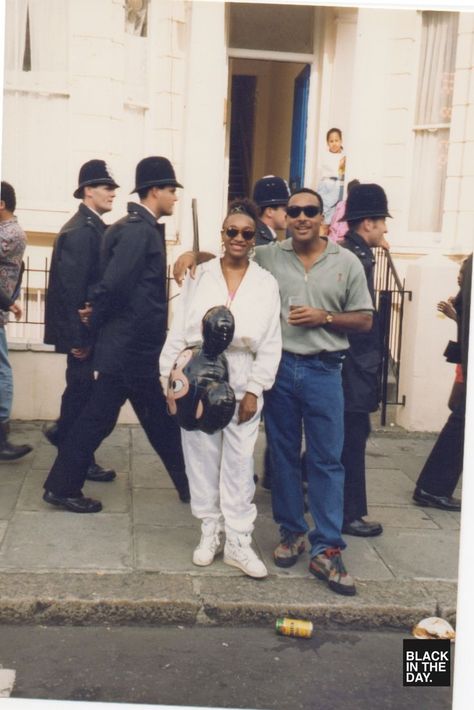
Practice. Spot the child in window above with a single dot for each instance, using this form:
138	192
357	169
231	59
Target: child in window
333	166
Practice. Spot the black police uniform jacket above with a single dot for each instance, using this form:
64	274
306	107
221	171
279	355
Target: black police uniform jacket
264	234
129	303
74	269
362	365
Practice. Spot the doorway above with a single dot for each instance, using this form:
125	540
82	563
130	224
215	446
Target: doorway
268	122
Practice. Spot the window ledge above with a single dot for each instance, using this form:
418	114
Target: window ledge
36	91
18	345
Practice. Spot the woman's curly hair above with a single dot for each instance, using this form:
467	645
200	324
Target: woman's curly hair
243	205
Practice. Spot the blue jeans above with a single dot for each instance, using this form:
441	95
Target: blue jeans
6	379
307	391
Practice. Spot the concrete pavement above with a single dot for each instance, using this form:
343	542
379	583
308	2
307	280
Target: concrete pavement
131	563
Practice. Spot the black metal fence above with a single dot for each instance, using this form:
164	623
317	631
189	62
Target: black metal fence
32	298
390	294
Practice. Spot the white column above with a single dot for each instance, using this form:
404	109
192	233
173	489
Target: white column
458	218
426	377
96	80
204	174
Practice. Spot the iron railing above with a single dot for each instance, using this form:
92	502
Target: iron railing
390	294
32	297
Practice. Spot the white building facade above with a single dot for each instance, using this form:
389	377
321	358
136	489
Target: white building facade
233	91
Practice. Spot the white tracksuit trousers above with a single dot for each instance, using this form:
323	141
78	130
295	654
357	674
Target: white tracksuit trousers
220	471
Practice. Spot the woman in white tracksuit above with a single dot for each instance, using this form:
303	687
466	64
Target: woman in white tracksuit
220	466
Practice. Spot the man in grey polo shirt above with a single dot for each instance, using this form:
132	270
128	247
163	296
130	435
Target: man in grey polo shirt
324	295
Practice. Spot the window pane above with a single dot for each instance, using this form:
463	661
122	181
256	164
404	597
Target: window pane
428	183
277	28
437	63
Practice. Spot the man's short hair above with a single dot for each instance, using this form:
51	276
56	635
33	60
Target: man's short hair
7	194
145	190
353	224
261	210
310	192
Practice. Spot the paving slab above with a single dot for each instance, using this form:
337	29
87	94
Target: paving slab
9	493
121	436
161	549
15	471
405	517
140	443
60	540
44	456
389	486
160	506
363	561
115	496
30	497
149	472
379	461
445	519
115	457
3	529
420	554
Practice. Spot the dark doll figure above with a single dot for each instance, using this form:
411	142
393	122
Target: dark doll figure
199	394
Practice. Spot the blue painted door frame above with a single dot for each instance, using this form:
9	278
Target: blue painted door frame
298	128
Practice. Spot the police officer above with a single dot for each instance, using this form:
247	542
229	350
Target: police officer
74	271
366	212
129	316
271	194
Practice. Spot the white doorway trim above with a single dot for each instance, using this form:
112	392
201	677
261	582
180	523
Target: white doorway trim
301	58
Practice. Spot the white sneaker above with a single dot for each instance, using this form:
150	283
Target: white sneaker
210	544
238	553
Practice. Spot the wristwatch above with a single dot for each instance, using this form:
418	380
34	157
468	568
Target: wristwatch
329	318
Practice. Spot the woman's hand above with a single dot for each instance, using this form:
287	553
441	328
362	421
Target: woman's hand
446	307
247	407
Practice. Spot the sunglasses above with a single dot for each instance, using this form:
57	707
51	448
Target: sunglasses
232	232
294	211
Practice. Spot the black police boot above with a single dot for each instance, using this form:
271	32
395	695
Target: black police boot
8	451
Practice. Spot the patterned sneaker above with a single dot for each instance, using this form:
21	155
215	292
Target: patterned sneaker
238	553
330	567
291	545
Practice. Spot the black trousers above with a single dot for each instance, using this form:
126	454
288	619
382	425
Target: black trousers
443	467
356	433
97	420
79	383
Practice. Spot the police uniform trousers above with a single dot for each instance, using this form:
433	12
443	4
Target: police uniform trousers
98	419
356	433
79	383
